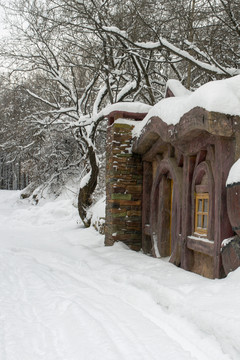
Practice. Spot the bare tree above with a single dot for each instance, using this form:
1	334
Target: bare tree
91	53
71	78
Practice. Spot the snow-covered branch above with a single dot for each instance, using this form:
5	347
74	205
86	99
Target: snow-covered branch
164	43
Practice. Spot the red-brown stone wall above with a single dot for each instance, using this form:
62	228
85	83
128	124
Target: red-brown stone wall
123	187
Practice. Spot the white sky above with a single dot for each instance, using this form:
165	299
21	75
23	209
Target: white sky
3	30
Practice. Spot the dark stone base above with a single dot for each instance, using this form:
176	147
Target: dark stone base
231	255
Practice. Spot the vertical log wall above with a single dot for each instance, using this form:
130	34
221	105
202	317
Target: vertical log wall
123	187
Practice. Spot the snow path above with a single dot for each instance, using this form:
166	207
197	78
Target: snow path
63	295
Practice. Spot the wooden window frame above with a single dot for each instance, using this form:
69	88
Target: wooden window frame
171	201
202	213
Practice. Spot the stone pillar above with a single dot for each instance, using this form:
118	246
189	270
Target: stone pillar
123	187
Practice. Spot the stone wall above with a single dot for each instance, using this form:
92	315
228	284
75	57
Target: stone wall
123	187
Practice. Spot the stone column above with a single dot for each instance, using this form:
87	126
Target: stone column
123	187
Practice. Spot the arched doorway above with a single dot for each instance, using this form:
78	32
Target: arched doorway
165	216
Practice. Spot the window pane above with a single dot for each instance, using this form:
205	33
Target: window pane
201	213
199	205
204	221
199	221
205	206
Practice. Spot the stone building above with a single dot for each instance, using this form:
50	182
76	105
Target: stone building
167	168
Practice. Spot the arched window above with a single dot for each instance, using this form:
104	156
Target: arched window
203	203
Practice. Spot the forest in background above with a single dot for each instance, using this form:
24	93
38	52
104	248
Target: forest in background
66	60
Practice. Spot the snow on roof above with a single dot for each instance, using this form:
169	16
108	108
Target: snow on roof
222	96
234	174
132	107
177	88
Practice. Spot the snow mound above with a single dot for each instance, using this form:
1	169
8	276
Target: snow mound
97	213
64	296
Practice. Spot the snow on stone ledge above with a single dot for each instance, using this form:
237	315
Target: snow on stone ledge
125	121
132	107
234	174
222	96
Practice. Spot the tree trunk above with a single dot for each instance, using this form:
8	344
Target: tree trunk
190	39
86	191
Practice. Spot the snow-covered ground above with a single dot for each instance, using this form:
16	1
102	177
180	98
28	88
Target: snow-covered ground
64	296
